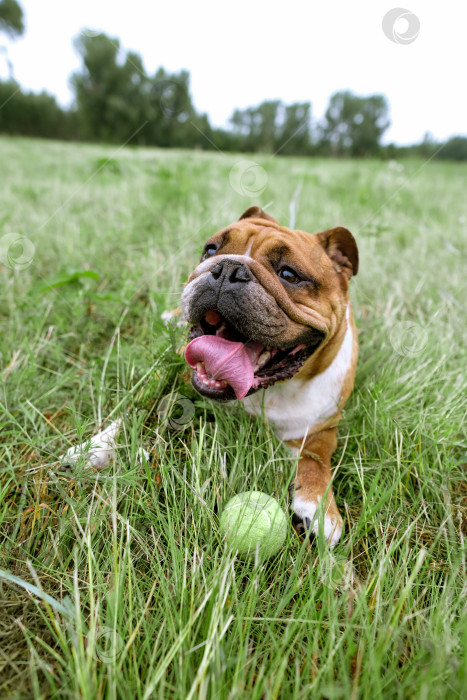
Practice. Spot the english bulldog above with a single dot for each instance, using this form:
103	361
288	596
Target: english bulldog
272	326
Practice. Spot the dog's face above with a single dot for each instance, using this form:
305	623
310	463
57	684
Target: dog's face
262	300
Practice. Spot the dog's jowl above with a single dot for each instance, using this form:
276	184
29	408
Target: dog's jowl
272	326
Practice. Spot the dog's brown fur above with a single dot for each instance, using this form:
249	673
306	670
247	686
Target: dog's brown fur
332	258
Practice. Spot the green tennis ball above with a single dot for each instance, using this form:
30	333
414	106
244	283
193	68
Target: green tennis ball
254	520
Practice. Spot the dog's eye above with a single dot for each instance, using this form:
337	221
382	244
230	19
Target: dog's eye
289	275
209	250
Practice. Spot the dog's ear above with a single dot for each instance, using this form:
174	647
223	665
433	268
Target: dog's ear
341	247
257	213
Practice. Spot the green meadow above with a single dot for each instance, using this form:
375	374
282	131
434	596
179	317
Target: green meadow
115	582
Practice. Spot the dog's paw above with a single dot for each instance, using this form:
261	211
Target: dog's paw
308	518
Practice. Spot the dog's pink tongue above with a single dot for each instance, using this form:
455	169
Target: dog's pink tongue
223	360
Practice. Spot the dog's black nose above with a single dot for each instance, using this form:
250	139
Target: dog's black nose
231	272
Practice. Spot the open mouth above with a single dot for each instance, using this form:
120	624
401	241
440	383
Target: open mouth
227	365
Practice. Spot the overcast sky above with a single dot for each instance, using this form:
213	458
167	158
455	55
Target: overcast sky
241	53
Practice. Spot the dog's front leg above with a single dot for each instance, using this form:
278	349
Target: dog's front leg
313	484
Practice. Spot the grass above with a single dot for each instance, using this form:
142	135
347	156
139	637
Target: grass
114	582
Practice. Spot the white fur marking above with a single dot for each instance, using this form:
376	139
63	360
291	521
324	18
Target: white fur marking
296	405
308	509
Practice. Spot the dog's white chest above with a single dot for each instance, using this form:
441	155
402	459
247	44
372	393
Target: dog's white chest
293	407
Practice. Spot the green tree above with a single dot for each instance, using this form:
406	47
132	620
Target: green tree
31	114
11	18
110	90
454	149
354	125
27	113
295	134
273	127
257	128
11	24
266	123
117	101
173	118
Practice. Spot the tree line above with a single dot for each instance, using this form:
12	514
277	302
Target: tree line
116	101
